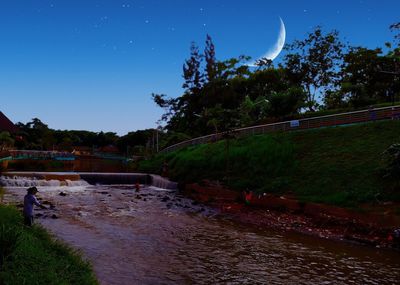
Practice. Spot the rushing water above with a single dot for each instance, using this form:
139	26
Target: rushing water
158	237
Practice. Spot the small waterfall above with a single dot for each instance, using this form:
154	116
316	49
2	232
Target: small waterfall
161	182
114	178
20	181
84	179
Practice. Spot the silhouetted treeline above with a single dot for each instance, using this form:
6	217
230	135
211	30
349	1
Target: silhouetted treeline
36	135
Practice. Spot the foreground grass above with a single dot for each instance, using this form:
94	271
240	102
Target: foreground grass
338	165
31	256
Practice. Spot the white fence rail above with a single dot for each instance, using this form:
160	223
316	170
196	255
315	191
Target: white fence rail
392	112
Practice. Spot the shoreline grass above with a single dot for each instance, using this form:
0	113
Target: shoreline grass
32	256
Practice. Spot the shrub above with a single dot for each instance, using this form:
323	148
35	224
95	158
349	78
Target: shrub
391	160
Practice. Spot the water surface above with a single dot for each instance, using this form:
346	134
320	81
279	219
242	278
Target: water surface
158	237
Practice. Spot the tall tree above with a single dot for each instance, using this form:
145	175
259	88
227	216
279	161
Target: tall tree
316	60
211	63
396	29
192	75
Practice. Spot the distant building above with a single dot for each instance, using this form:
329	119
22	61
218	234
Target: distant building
6	125
110	149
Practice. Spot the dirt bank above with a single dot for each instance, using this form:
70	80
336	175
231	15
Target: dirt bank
370	225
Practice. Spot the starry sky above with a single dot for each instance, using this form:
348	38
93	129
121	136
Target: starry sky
93	64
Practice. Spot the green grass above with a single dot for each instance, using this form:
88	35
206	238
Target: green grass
32	256
337	165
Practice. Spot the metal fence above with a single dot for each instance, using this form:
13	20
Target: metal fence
373	114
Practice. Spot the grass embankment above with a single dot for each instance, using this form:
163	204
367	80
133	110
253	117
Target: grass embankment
337	165
31	256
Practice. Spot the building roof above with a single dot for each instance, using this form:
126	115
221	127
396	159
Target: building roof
6	125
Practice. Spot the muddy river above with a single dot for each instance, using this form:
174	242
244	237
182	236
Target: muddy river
157	236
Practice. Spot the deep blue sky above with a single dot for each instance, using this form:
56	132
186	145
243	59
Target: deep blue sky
92	65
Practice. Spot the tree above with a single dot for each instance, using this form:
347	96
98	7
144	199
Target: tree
286	103
211	63
316	60
233	67
6	141
367	78
38	135
396	29
194	79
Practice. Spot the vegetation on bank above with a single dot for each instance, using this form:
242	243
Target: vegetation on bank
31	256
338	165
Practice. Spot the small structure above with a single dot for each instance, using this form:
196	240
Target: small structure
82	151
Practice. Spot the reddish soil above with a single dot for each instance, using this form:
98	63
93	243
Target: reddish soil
372	225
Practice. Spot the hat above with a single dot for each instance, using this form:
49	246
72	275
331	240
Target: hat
32	190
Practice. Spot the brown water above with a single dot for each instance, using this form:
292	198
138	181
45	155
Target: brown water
158	237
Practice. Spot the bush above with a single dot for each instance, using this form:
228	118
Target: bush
391	160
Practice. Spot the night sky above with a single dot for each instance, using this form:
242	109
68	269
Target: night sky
92	65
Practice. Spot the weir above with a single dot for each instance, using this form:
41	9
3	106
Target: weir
28	179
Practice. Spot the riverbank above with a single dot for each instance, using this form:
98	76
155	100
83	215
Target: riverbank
31	255
367	225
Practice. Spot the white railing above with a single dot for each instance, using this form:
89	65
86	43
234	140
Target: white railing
392	112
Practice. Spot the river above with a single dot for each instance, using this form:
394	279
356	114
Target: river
157	236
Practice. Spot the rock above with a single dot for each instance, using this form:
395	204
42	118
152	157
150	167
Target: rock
62	194
165	199
54	216
38	215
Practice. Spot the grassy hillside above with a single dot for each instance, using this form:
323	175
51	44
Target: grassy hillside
338	165
31	256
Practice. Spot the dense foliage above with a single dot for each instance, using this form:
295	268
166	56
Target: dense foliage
319	72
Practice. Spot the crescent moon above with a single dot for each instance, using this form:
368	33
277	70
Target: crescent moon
273	52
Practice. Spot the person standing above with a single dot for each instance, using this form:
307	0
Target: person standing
29	201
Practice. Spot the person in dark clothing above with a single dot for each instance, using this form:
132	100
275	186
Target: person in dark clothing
29	201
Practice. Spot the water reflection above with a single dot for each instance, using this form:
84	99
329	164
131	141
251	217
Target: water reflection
159	237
